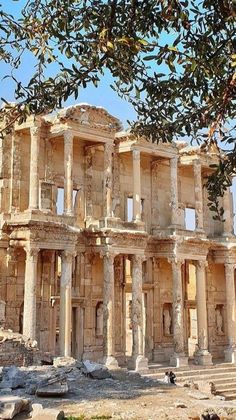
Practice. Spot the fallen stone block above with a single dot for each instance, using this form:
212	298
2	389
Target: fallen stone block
49	414
64	361
197	395
53	389
10	406
95	370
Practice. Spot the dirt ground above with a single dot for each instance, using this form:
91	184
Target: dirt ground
129	396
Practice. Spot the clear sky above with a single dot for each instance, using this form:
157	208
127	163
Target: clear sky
102	96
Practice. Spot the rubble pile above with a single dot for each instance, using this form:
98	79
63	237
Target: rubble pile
17	349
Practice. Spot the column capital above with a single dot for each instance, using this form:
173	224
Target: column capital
229	268
136	154
67	255
139	259
31	252
201	264
35	130
109	256
176	262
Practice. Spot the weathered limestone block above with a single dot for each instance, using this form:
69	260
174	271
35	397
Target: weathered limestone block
10	406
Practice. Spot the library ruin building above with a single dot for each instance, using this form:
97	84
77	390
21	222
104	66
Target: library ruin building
108	250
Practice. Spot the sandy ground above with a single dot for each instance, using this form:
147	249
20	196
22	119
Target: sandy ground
129	396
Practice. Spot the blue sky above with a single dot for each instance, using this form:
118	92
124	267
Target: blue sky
102	96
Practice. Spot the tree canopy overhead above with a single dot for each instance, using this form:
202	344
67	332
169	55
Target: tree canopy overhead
173	60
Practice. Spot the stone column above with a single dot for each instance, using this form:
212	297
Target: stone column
136	186
202	355
34	168
88	184
174	204
138	360
107	180
227	216
65	303
15	172
230	352
155	194
158	352
197	171
109	312
29	316
68	168
178	358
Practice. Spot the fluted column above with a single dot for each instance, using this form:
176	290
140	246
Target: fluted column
136	186
174	204
178	358
107	181
197	169
109	312
34	168
15	172
65	303
29	316
230	352
227	216
202	355
138	360
68	168
89	152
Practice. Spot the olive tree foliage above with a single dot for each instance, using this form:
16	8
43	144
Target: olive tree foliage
173	60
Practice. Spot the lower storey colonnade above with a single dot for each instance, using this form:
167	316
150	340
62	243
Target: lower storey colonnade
127	308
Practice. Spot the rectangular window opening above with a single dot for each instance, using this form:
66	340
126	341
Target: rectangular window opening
129	209
190	219
60	201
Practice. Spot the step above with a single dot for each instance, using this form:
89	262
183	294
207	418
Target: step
228	389
197	376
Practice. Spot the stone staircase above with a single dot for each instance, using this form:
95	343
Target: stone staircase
223	375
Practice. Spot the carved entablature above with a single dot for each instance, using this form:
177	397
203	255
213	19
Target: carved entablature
91	116
225	255
51	236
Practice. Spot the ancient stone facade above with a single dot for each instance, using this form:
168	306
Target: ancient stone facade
98	258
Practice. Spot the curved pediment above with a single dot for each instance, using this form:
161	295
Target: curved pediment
91	116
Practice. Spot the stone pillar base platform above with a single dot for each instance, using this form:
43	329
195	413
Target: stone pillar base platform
178	360
138	363
110	362
230	355
203	358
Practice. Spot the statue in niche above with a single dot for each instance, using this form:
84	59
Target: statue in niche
219	321
166	321
99	319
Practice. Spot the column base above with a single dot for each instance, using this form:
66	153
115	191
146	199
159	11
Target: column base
203	358
159	355
178	360
138	363
110	362
230	355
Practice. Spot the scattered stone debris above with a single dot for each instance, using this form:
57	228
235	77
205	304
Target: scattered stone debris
63	361
11	405
95	370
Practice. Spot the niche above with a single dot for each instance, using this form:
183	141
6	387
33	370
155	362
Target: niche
219	318
99	319
167	319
